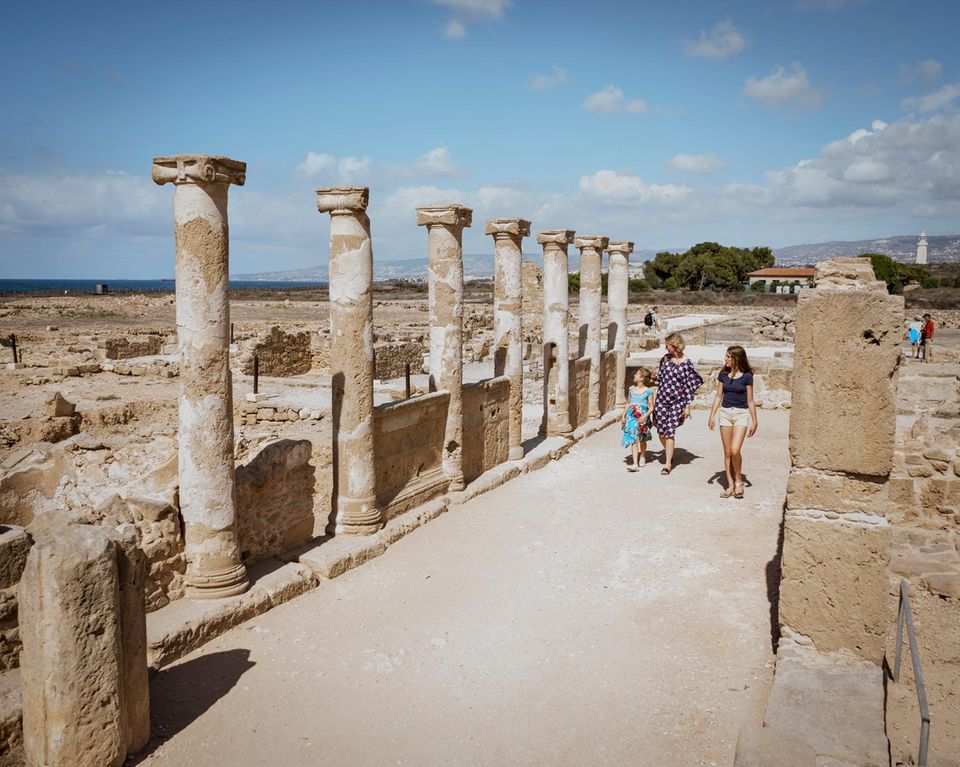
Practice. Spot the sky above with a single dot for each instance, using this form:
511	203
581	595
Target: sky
773	122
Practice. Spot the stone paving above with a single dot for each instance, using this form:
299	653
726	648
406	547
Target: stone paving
577	615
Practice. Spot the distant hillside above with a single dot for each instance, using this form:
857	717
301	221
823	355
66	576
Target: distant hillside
478	266
901	247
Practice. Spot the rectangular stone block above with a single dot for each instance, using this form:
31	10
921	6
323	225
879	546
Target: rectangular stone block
844	384
834	583
812	489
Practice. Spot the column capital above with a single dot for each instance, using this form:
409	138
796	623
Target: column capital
341	200
198	169
508	227
625	247
556	236
594	241
449	215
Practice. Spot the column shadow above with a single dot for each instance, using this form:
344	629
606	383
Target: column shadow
773	574
181	694
337	383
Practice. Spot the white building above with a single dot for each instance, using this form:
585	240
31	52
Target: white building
922	249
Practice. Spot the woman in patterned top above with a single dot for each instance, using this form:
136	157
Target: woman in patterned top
677	383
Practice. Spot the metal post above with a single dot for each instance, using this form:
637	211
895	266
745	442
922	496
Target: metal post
407	375
13	343
256	373
231	332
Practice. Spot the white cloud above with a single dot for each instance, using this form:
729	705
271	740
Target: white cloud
696	163
455	30
721	42
928	71
353	169
465	11
610	101
933	102
542	82
436	163
781	87
624	187
315	164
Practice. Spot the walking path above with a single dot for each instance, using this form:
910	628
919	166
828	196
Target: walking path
578	615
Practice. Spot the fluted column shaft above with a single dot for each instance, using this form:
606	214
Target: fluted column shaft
591	256
556	303
508	234
618	293
445	225
351	355
206	467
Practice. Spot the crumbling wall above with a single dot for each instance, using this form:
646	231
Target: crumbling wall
124	347
608	381
486	425
836	548
392	357
275	499
408	446
14	547
532	302
280	353
579	391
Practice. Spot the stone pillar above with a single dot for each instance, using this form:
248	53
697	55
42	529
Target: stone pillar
508	234
352	363
618	292
556	304
591	255
84	664
445	224
206	444
836	547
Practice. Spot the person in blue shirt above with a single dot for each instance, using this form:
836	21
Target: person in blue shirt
738	415
635	421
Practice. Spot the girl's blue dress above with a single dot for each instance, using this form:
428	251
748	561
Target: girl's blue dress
633	430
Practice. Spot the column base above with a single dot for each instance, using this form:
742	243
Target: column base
515	454
217	584
358	516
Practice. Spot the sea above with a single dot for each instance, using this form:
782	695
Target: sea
83	287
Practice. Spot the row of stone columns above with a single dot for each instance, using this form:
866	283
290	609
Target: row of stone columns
203	320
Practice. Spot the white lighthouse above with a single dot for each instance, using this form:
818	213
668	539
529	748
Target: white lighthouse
922	249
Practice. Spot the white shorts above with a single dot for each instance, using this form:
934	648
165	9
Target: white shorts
735	416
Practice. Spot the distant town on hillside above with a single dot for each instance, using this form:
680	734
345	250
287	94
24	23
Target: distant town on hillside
480	265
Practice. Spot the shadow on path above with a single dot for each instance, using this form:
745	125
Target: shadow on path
181	694
773	586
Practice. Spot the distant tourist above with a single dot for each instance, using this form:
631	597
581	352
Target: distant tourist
635	420
677	384
926	338
651	320
738	415
913	334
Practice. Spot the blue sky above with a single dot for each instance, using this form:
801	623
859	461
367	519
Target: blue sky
752	123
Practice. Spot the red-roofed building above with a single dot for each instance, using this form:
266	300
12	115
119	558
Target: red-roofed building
802	277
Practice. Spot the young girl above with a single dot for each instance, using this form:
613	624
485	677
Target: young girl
636	417
738	415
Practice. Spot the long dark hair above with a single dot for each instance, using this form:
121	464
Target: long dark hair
739	356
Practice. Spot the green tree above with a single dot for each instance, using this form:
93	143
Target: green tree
637	285
759	287
886	269
573	282
670	285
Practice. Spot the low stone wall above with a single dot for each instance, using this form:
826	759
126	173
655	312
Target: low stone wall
579	391
608	381
392	358
123	348
775	326
275	499
254	413
280	354
486	428
408	445
14	547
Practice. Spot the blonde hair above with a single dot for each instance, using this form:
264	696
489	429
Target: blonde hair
646	376
676	341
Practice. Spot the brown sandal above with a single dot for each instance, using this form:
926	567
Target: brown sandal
665	470
738	491
727	493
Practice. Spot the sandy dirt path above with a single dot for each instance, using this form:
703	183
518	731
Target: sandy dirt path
579	615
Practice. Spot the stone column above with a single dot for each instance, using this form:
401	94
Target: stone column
206	445
508	234
836	546
351	354
445	224
618	292
84	664
556	304
591	255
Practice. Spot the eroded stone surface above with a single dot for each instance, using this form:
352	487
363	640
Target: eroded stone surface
556	403
591	256
618	292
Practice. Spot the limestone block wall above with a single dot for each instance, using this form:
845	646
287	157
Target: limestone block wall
391	359
408	447
486	425
836	546
275	499
608	381
254	413
532	302
579	391
14	548
280	353
123	347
